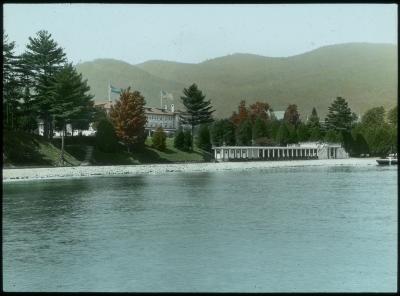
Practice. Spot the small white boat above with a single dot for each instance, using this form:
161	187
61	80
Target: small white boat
389	160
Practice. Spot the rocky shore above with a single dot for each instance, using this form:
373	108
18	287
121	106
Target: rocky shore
21	174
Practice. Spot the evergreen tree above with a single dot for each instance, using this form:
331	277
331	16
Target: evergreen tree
203	138
360	145
106	139
244	133
302	133
333	136
292	134
313	119
315	134
314	127
222	132
198	110
340	117
187	141
12	90
70	98
282	136
128	118
159	139
259	128
43	59
179	139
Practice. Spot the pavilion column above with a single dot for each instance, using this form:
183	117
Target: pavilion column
215	153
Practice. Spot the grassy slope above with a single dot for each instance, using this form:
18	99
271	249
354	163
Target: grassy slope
149	155
23	149
365	74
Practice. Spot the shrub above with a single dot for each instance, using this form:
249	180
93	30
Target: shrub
187	141
159	138
106	139
179	139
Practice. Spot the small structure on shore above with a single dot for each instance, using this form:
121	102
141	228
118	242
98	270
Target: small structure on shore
307	150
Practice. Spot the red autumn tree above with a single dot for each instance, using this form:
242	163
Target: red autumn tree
259	110
128	118
242	115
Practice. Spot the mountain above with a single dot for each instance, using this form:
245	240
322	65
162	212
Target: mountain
363	73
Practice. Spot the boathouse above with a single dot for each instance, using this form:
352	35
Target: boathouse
307	150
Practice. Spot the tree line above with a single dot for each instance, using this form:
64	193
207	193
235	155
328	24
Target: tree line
256	125
41	84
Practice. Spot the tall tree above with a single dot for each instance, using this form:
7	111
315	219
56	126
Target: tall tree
340	117
70	99
198	110
11	84
292	115
129	119
43	59
314	126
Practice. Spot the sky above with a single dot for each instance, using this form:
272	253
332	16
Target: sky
192	33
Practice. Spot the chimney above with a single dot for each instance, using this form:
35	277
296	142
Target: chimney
172	108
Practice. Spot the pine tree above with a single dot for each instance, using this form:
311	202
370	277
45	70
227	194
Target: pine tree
313	120
203	138
41	61
198	110
129	119
70	98
340	117
12	89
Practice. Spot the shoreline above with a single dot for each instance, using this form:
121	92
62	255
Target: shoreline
29	174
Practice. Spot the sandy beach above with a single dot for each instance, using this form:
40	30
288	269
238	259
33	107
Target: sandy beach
23	174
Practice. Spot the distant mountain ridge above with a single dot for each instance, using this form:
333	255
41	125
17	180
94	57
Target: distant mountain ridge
364	73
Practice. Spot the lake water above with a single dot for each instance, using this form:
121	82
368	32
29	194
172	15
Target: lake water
302	229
